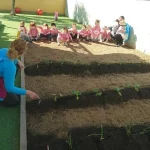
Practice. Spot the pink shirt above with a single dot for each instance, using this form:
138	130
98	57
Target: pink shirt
65	36
83	32
73	31
89	31
54	31
33	32
96	30
44	30
56	14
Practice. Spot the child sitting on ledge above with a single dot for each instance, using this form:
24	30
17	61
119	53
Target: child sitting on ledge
54	32
33	32
45	32
64	37
83	33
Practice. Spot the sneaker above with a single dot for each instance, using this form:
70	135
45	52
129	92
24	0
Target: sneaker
65	44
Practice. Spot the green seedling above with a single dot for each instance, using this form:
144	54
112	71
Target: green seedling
62	62
143	132
55	97
47	61
118	91
39	102
101	134
69	141
77	93
136	87
128	85
97	92
128	129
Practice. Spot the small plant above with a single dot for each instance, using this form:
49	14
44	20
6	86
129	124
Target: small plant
77	93
69	141
118	91
128	129
39	102
55	97
101	134
98	93
136	87
143	132
47	61
62	62
128	85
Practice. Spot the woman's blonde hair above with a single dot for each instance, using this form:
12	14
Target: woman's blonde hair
16	49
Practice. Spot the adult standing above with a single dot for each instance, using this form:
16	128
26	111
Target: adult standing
9	94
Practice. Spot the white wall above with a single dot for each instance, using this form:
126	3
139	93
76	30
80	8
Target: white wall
137	14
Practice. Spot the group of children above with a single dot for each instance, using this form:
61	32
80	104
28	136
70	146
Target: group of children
87	33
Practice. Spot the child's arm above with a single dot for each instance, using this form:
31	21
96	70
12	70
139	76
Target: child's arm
70	37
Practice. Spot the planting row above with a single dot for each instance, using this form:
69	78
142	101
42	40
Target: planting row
130	137
90	98
53	67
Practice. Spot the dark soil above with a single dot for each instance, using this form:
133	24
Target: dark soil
60	116
49	86
51	68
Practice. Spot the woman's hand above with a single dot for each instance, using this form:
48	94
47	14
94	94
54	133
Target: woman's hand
32	95
20	64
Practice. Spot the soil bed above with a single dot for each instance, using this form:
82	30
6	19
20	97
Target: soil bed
52	128
50	68
83	53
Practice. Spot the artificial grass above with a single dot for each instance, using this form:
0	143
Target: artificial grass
10	117
10	25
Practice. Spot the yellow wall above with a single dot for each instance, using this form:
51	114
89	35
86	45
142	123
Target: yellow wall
49	6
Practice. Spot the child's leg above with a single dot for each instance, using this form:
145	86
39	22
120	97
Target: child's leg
48	37
75	36
59	40
81	37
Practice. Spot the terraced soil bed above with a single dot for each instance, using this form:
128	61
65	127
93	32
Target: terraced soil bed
93	97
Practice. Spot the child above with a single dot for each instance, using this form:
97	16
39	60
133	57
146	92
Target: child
64	37
115	27
33	32
22	32
45	32
73	31
56	16
89	29
83	33
96	31
105	34
54	32
121	35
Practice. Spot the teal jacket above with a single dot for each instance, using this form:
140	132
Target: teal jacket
128	30
8	72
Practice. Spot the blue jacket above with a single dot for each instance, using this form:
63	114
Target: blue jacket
8	72
128	30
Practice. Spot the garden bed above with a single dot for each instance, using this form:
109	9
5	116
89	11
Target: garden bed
83	53
54	127
92	138
53	67
80	110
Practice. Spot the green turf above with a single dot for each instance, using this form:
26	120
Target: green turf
10	117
